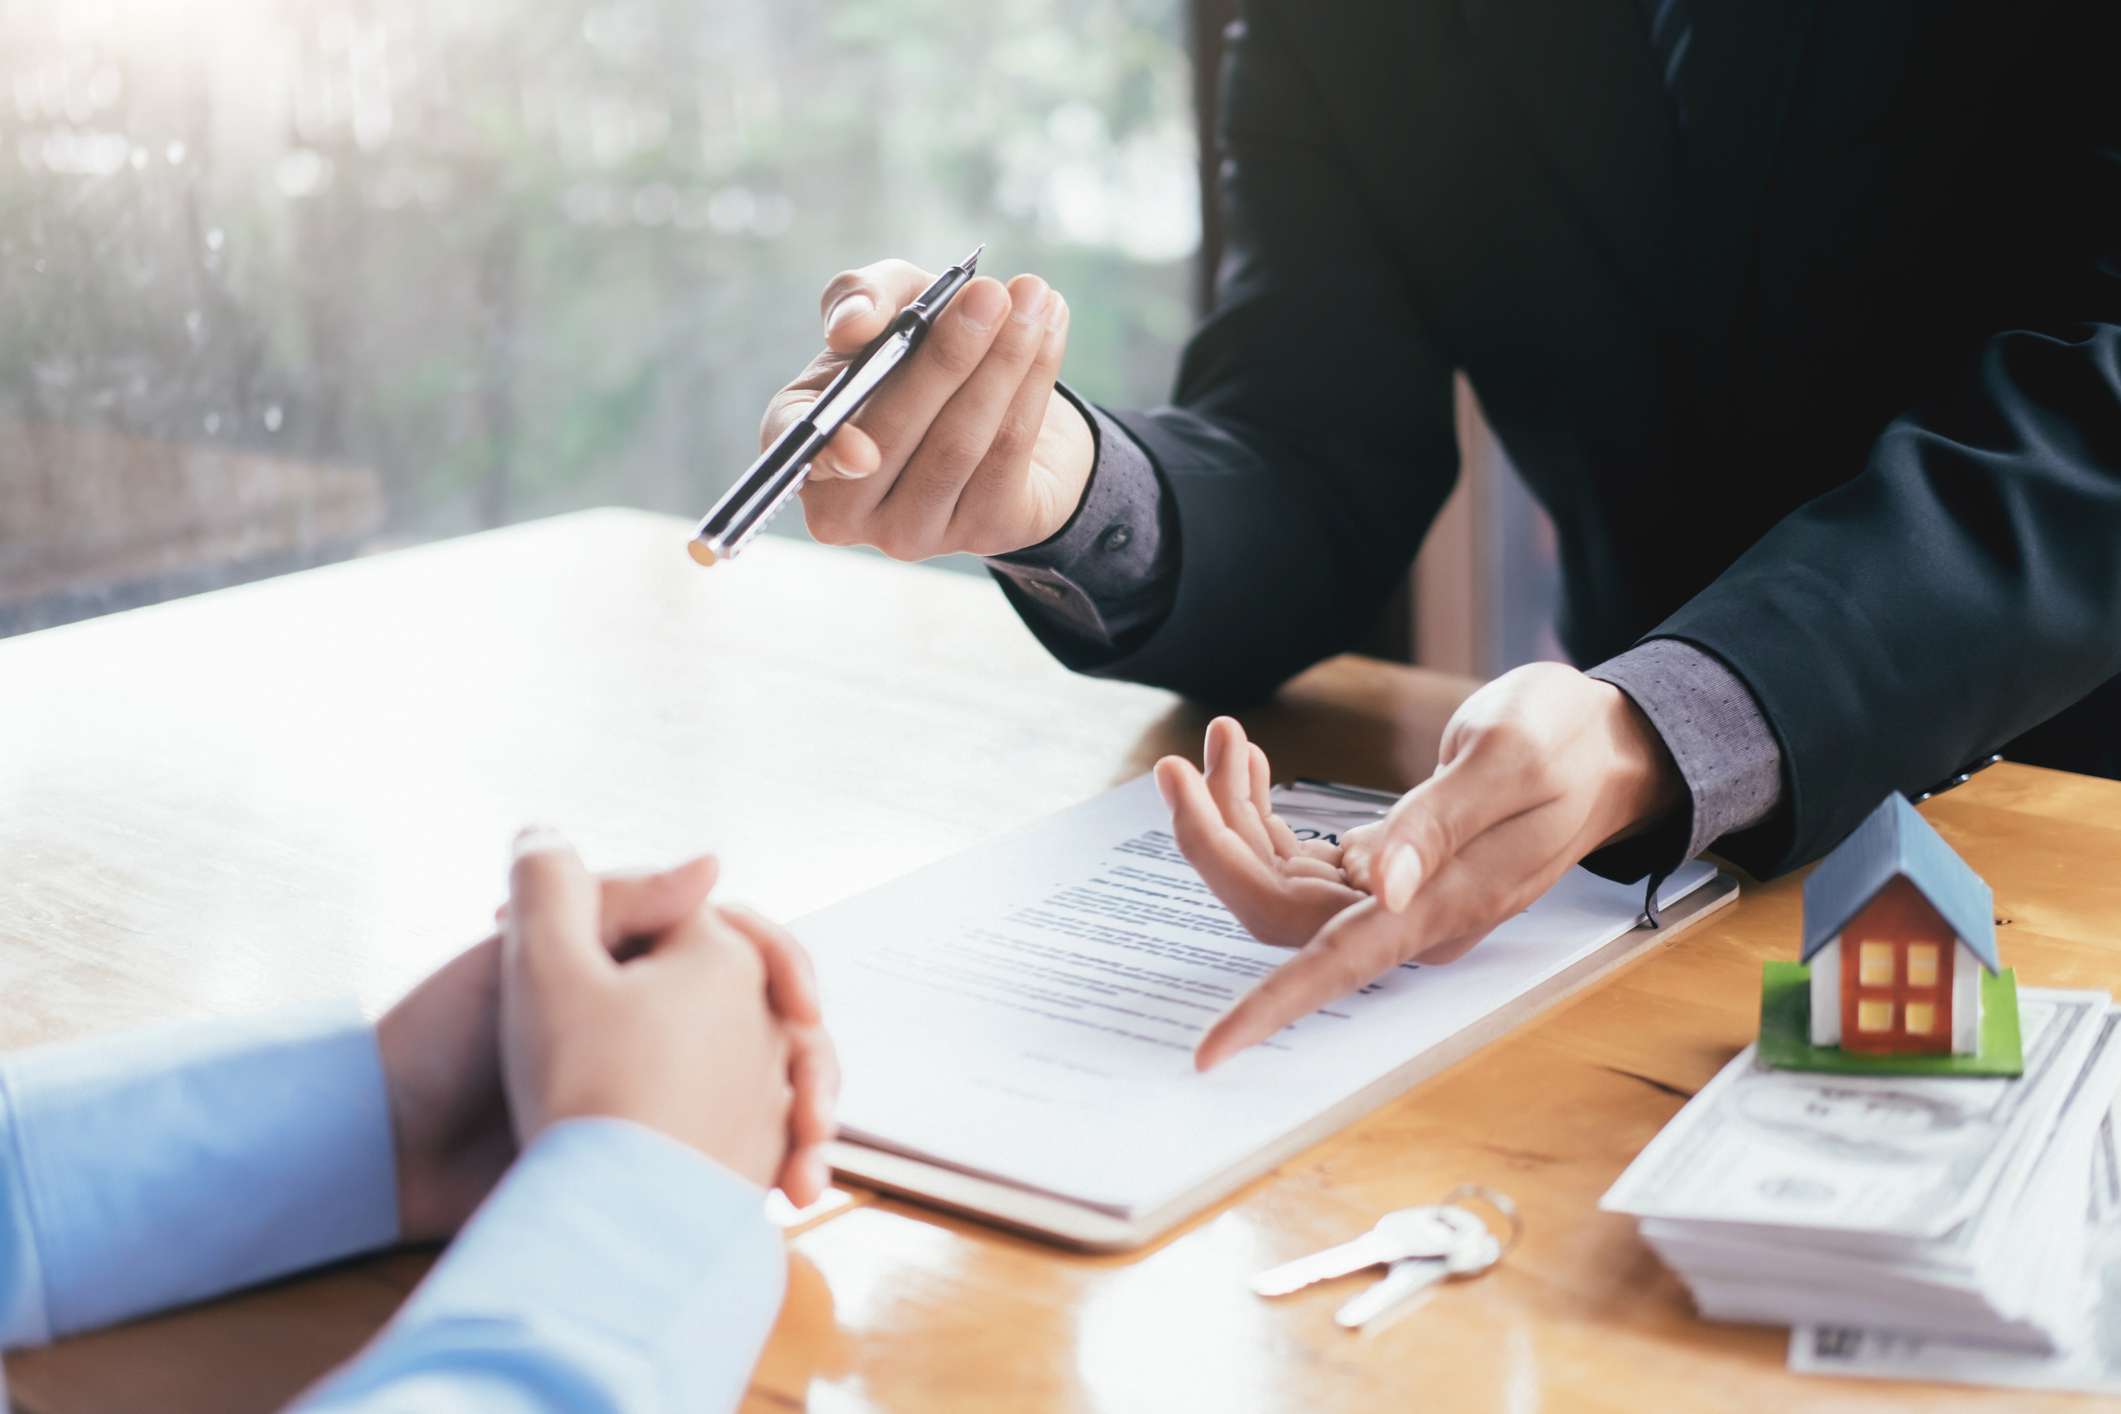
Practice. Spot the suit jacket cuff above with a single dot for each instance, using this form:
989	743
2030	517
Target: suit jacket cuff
1105	579
1719	738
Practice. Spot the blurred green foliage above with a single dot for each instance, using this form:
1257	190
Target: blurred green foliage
518	257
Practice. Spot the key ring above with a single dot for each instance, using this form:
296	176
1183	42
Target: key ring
1501	1202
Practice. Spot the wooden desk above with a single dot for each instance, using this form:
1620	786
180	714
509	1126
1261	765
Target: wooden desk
305	787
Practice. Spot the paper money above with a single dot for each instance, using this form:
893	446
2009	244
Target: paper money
1884	1156
1955	1211
2090	1363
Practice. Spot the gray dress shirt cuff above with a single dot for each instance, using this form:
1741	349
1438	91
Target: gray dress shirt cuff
1718	737
1106	579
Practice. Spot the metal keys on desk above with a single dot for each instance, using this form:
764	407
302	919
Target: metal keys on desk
1418	1246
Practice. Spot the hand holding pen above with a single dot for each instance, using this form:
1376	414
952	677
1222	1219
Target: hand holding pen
967	447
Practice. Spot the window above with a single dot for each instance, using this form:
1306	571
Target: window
1922	965
1896	975
1875	964
287	280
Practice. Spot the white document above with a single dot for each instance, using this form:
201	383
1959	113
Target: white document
1027	1011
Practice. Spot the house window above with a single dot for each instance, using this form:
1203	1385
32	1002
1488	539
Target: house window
1874	964
1896	975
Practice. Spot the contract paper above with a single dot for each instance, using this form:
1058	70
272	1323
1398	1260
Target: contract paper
1027	1011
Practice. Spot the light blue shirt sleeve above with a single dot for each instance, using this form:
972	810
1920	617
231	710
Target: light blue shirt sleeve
613	1269
173	1164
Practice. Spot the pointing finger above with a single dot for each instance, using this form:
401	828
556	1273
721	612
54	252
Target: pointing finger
1496	876
1358	945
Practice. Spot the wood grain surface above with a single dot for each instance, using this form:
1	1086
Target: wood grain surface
305	787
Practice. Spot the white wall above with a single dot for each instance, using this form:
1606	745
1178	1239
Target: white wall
1826	994
1966	1002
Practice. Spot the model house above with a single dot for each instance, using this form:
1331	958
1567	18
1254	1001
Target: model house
1897	931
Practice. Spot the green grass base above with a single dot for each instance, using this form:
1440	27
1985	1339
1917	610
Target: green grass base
1786	1031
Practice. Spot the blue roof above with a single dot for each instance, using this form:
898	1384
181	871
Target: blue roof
1894	842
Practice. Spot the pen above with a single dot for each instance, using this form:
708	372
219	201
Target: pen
778	474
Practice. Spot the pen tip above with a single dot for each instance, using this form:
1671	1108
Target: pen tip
971	262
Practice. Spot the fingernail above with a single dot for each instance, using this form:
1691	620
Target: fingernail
1056	311
1030	311
1163	789
538	839
981	305
839	468
852	306
1401	875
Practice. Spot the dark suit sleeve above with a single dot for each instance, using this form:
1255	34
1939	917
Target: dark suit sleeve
1103	582
1965	586
1310	440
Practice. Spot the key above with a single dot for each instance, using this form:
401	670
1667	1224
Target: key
1434	1230
1411	1276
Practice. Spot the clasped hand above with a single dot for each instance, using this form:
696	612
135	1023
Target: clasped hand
630	997
1536	770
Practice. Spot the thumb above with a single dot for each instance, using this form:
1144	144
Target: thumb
551	927
637	905
1493	781
858	304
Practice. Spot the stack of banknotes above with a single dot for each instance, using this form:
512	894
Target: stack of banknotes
1918	1227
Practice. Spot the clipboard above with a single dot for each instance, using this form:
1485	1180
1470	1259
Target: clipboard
1051	1218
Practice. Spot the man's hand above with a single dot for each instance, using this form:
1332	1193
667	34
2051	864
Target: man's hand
966	447
1281	888
1537	769
683	1039
441	1057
